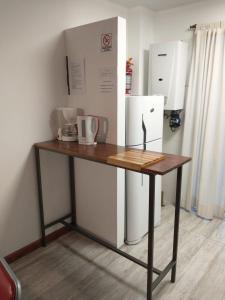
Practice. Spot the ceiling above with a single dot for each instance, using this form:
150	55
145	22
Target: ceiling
155	4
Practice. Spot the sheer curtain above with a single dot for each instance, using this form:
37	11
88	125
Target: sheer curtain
204	128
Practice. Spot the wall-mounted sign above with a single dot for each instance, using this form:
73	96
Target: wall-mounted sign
77	77
106	42
106	79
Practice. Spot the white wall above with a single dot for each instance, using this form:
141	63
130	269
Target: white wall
140	36
172	25
32	84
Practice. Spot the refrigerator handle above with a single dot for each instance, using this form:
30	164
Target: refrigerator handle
67	75
144	144
144	133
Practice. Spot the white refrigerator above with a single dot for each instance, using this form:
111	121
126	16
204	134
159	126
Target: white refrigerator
144	130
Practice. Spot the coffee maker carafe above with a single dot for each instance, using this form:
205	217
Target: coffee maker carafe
67	130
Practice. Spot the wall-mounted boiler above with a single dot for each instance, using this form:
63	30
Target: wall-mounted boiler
167	72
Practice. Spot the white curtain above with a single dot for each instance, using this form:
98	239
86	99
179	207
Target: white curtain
204	129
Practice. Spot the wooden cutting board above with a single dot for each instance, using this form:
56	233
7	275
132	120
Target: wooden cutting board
135	159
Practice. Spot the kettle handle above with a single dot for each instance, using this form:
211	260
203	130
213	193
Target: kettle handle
96	127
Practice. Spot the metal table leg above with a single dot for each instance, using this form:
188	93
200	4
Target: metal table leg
176	223
40	196
150	236
72	190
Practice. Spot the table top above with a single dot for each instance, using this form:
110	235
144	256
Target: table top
101	152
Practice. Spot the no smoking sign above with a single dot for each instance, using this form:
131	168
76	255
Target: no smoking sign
106	42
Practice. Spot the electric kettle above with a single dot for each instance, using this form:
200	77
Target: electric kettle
87	129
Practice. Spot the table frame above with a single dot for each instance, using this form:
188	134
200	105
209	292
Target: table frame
151	285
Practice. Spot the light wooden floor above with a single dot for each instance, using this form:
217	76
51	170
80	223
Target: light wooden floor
74	267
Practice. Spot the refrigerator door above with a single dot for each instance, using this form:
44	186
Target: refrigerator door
144	119
134	116
153	108
137	198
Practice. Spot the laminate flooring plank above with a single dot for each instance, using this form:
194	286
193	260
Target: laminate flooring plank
219	233
190	222
213	280
189	246
166	213
78	281
76	268
206	227
51	269
187	282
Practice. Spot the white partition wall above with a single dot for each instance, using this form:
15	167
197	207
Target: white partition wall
96	60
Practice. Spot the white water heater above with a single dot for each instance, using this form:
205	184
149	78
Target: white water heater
167	72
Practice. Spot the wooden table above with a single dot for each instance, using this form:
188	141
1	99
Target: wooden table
100	153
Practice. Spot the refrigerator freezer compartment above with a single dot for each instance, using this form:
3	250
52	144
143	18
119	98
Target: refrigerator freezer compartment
144	116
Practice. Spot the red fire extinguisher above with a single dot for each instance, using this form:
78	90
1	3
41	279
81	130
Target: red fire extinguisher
129	72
